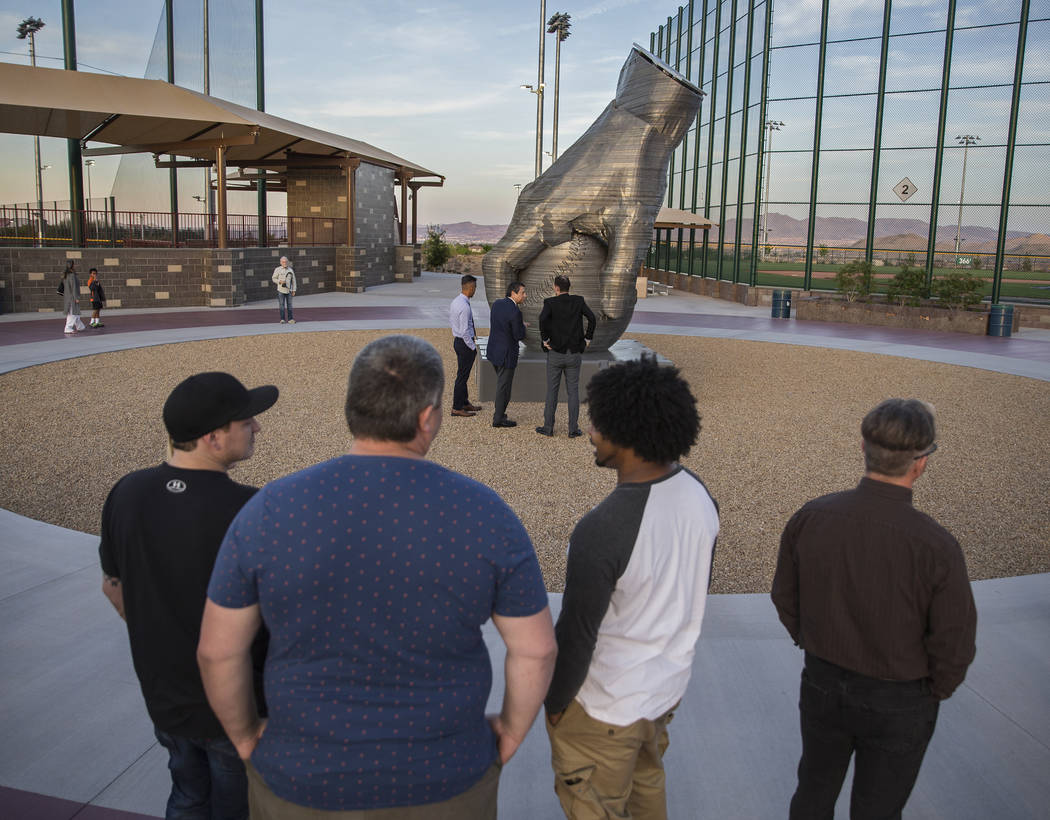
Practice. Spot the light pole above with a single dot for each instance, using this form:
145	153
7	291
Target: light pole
210	208
966	140
87	207
89	163
771	126
539	124
28	28
538	91
559	25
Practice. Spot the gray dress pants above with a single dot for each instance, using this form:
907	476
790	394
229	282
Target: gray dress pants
557	364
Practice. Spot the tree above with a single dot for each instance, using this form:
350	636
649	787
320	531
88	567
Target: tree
854	280
908	287
959	289
823	251
436	251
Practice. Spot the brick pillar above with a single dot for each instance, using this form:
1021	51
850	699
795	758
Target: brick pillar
404	262
224	278
349	277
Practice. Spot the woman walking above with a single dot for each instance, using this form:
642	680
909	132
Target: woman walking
69	287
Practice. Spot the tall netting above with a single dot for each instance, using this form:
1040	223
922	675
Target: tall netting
791	137
139	185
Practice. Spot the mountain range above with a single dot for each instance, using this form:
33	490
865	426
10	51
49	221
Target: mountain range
836	231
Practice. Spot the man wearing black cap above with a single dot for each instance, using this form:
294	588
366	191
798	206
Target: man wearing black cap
161	530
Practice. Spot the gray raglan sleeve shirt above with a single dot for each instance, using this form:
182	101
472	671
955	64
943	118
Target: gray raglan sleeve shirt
599	550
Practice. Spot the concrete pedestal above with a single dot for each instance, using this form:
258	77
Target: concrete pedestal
530	376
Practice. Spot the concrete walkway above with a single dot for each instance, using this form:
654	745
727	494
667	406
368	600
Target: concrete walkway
78	743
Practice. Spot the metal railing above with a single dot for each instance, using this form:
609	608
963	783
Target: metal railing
27	226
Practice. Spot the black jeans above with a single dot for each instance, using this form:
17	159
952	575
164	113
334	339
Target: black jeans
464	361
887	724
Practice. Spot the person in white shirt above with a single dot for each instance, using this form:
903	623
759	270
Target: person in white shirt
636	582
464	342
284	278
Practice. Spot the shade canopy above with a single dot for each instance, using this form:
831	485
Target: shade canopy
677	218
152	116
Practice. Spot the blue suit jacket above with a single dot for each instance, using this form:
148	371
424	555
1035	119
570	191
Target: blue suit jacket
506	329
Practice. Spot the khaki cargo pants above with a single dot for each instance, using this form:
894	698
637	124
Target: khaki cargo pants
606	771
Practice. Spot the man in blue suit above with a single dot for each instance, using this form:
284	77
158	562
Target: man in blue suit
506	330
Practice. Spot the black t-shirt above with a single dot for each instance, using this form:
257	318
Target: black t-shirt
161	531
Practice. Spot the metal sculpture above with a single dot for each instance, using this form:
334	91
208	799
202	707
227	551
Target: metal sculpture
590	215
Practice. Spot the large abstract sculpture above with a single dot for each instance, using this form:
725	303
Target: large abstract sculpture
590	215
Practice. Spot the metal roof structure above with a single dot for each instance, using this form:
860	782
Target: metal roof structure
677	218
153	116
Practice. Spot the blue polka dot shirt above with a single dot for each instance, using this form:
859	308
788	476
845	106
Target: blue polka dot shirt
374	575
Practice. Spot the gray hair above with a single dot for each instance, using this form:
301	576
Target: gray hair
895	433
392	380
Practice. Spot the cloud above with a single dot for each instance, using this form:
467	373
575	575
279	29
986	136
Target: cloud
854	62
370	106
604	8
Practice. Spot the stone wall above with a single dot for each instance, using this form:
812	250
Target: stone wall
322	193
161	277
314	268
376	224
131	277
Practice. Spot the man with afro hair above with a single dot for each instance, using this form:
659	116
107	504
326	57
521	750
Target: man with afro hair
638	571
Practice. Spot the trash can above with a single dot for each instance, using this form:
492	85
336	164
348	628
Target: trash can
782	304
1001	320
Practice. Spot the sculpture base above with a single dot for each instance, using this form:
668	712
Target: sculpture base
530	376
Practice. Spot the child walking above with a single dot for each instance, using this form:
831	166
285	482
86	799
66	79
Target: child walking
98	299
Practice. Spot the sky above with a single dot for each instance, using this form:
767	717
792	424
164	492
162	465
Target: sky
436	83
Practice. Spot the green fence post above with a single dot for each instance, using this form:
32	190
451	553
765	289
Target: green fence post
938	167
807	279
877	147
1008	171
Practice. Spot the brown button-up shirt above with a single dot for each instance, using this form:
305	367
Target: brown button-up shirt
867	582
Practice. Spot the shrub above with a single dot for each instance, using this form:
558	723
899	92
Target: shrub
854	280
908	287
959	289
436	251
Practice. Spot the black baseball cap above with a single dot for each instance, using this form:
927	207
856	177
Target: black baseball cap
208	401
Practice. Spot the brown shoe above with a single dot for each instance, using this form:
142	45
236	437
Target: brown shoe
463	412
475	407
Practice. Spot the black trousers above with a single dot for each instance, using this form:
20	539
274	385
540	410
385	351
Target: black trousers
886	724
464	361
504	384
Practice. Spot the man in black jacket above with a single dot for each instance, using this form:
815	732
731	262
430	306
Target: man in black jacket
506	329
564	339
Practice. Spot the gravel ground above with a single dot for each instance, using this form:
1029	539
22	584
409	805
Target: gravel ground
781	425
